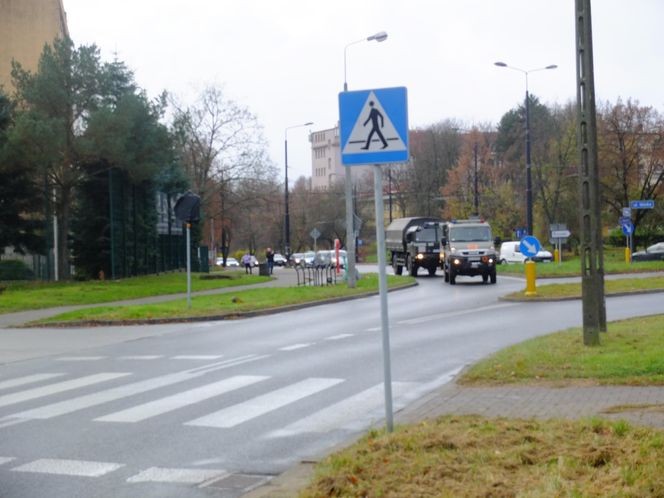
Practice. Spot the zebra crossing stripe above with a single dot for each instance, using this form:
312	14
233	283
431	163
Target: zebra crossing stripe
182	476
80	358
29	379
197	357
68	385
242	412
79	468
4	460
116	393
341	413
182	399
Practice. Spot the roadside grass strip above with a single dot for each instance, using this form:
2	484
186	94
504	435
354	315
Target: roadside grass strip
226	305
572	268
573	290
36	295
464	456
630	353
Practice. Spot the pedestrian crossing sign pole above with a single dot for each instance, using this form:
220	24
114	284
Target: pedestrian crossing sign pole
373	129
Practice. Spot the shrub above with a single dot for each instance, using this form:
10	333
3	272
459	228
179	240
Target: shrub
15	270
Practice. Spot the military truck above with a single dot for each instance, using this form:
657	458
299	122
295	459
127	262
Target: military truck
414	243
468	250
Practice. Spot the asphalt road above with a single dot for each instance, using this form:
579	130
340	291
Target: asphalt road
212	409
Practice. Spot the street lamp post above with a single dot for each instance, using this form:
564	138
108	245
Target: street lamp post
350	235
286	214
529	183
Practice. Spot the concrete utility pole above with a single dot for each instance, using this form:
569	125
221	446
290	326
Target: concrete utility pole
592	258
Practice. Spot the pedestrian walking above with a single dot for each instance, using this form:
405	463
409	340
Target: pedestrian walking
269	256
246	261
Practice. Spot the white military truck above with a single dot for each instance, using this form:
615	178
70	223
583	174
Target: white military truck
468	250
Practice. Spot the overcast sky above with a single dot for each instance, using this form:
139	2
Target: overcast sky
284	59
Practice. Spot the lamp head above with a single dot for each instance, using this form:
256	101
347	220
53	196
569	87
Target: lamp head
552	66
308	124
379	37
500	64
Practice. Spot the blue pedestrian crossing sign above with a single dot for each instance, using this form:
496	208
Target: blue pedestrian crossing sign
373	126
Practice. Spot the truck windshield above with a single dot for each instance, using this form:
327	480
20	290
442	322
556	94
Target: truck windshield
470	234
427	235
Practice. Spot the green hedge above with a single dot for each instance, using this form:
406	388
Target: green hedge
15	270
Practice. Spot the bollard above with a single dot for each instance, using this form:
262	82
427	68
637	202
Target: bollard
628	255
531	274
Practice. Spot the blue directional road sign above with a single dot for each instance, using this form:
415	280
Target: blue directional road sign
373	125
646	204
627	228
529	246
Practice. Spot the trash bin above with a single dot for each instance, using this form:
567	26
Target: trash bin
263	270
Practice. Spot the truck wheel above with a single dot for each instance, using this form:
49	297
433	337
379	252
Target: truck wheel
432	271
493	276
485	278
452	276
412	268
398	269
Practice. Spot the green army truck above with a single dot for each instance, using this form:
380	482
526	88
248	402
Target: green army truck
414	243
468	250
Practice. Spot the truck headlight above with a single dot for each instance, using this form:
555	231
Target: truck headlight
456	261
419	257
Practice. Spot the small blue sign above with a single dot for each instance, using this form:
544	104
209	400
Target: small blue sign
521	233
625	219
647	204
530	246
373	126
627	228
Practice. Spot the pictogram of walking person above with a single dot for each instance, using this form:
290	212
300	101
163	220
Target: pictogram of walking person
374	115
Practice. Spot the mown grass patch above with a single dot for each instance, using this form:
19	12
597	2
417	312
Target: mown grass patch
630	353
231	303
573	290
36	295
464	456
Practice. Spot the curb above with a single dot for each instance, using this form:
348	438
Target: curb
228	316
574	298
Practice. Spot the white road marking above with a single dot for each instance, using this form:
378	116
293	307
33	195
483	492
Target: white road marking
182	476
242	412
38	392
29	379
79	468
297	346
179	400
439	316
4	460
201	357
142	357
80	358
374	329
338	337
113	394
341	413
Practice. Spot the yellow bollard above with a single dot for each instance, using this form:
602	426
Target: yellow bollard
531	275
628	255
556	255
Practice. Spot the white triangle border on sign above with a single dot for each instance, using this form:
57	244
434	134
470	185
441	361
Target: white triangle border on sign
359	134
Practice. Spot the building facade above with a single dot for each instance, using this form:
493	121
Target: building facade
25	27
326	166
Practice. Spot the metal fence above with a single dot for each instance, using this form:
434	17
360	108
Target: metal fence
316	275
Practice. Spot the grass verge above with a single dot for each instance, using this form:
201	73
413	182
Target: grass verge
630	353
37	295
572	268
573	290
460	456
226	304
